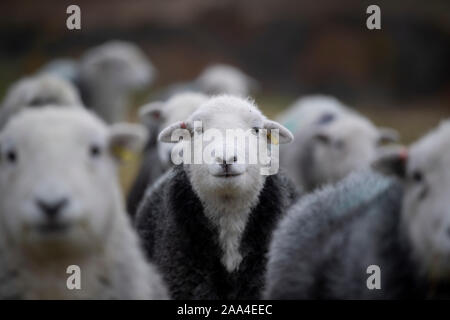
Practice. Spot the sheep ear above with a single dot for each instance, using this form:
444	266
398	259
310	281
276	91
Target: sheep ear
388	135
391	161
151	112
166	134
126	139
284	135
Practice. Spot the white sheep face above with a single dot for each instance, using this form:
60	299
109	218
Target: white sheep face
305	111
345	145
426	204
38	91
225	79
58	179
177	108
229	171
41	90
117	65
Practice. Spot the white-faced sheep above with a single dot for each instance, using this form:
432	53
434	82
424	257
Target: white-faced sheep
309	110
61	205
225	79
371	237
38	91
207	225
331	140
156	156
109	73
217	79
329	150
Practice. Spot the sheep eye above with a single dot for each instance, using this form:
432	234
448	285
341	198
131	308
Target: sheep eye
11	156
256	130
95	151
417	176
322	138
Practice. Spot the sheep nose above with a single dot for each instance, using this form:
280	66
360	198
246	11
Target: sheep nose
225	163
52	208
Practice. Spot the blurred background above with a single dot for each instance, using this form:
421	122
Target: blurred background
398	76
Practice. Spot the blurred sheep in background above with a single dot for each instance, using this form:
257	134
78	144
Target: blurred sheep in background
109	73
331	141
106	76
324	246
38	91
214	80
156	158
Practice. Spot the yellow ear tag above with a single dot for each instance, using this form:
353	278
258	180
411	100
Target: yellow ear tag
273	140
123	154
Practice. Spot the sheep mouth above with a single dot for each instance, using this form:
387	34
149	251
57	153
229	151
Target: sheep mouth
52	227
228	174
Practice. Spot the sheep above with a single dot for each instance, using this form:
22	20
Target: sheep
225	79
329	150
331	243
309	110
37	91
61	206
207	225
156	157
65	68
177	108
331	140
216	79
109	73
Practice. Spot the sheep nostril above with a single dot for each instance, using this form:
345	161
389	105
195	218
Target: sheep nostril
52	208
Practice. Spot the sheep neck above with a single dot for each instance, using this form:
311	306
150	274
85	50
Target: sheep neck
230	215
110	104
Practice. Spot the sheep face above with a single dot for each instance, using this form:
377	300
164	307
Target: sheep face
177	108
118	66
38	91
226	167
426	205
58	179
224	79
42	90
345	144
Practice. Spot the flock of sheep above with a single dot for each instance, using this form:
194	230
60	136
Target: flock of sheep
347	195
